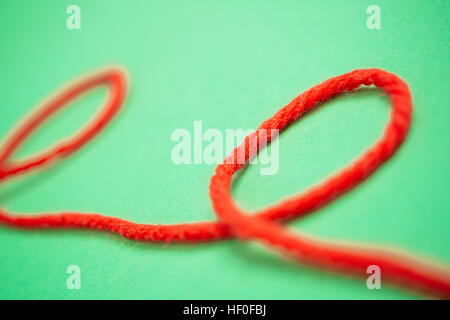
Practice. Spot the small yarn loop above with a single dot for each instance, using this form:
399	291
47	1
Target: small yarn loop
114	79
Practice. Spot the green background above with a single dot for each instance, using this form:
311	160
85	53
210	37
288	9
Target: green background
230	64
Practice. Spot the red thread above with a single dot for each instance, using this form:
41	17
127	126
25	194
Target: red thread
233	221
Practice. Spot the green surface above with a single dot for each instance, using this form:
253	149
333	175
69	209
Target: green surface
230	64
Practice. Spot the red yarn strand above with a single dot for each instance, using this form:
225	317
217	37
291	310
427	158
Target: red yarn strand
233	221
